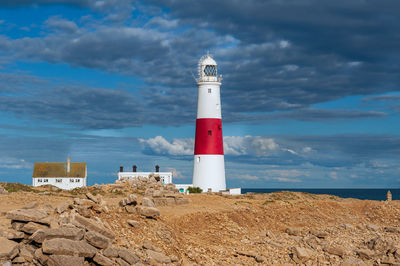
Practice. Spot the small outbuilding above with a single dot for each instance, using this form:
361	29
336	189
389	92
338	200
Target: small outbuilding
66	175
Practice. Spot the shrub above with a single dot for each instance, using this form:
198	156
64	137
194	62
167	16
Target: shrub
194	190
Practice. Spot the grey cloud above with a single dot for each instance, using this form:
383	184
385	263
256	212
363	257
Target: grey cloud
326	151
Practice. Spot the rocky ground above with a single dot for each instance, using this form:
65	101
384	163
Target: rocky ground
144	222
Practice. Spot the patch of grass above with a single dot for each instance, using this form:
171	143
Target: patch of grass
268	202
15	187
194	190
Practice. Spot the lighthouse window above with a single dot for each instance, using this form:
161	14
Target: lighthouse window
209	90
210	132
210	70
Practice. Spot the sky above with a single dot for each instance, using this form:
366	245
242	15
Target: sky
310	92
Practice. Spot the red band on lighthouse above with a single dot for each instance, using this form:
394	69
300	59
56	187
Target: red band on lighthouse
208	137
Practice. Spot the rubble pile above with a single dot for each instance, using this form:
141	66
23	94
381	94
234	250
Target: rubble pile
70	234
156	192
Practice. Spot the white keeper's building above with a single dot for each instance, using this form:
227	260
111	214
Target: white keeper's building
165	177
65	175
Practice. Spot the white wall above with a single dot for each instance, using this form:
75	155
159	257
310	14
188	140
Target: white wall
166	177
64	184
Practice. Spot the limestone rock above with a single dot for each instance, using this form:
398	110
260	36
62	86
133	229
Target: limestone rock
97	240
32	227
110	252
292	231
91	225
62	207
147	202
133	223
334	250
62	246
319	234
365	254
372	227
392	229
301	255
353	262
128	256
27	215
8	248
38	255
92	197
149	212
18	260
130	209
182	201
260	258
62	260
17	225
63	232
12	234
147	244
31	205
157	256
102	260
130	200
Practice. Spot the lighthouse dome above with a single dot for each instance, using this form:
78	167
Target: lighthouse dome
207	69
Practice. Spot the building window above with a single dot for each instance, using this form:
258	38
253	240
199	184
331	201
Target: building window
40	180
45	180
210	132
209	90
77	180
71	180
58	180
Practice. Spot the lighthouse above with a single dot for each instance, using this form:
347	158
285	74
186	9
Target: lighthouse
209	165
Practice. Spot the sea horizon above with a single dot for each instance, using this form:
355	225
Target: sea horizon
356	193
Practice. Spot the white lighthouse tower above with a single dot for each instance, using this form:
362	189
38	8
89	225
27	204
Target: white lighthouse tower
209	165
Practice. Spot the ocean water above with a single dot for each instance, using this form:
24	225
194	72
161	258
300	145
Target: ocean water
356	193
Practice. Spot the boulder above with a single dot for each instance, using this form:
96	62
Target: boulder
92	197
301	255
147	202
128	256
372	227
365	254
353	262
133	223
292	231
27	252
149	212
31	205
102	260
91	225
32	227
18	260
27	215
38	255
63	232
260	258
130	209
130	200
8	249
62	246
334	250
62	260
97	240
12	234
147	244
17	225
318	233
392	229
110	252
62	207
158	257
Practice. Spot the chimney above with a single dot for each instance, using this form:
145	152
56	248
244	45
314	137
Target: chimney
121	169
69	165
134	168
157	168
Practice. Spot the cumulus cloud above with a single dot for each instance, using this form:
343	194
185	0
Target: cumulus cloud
160	145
